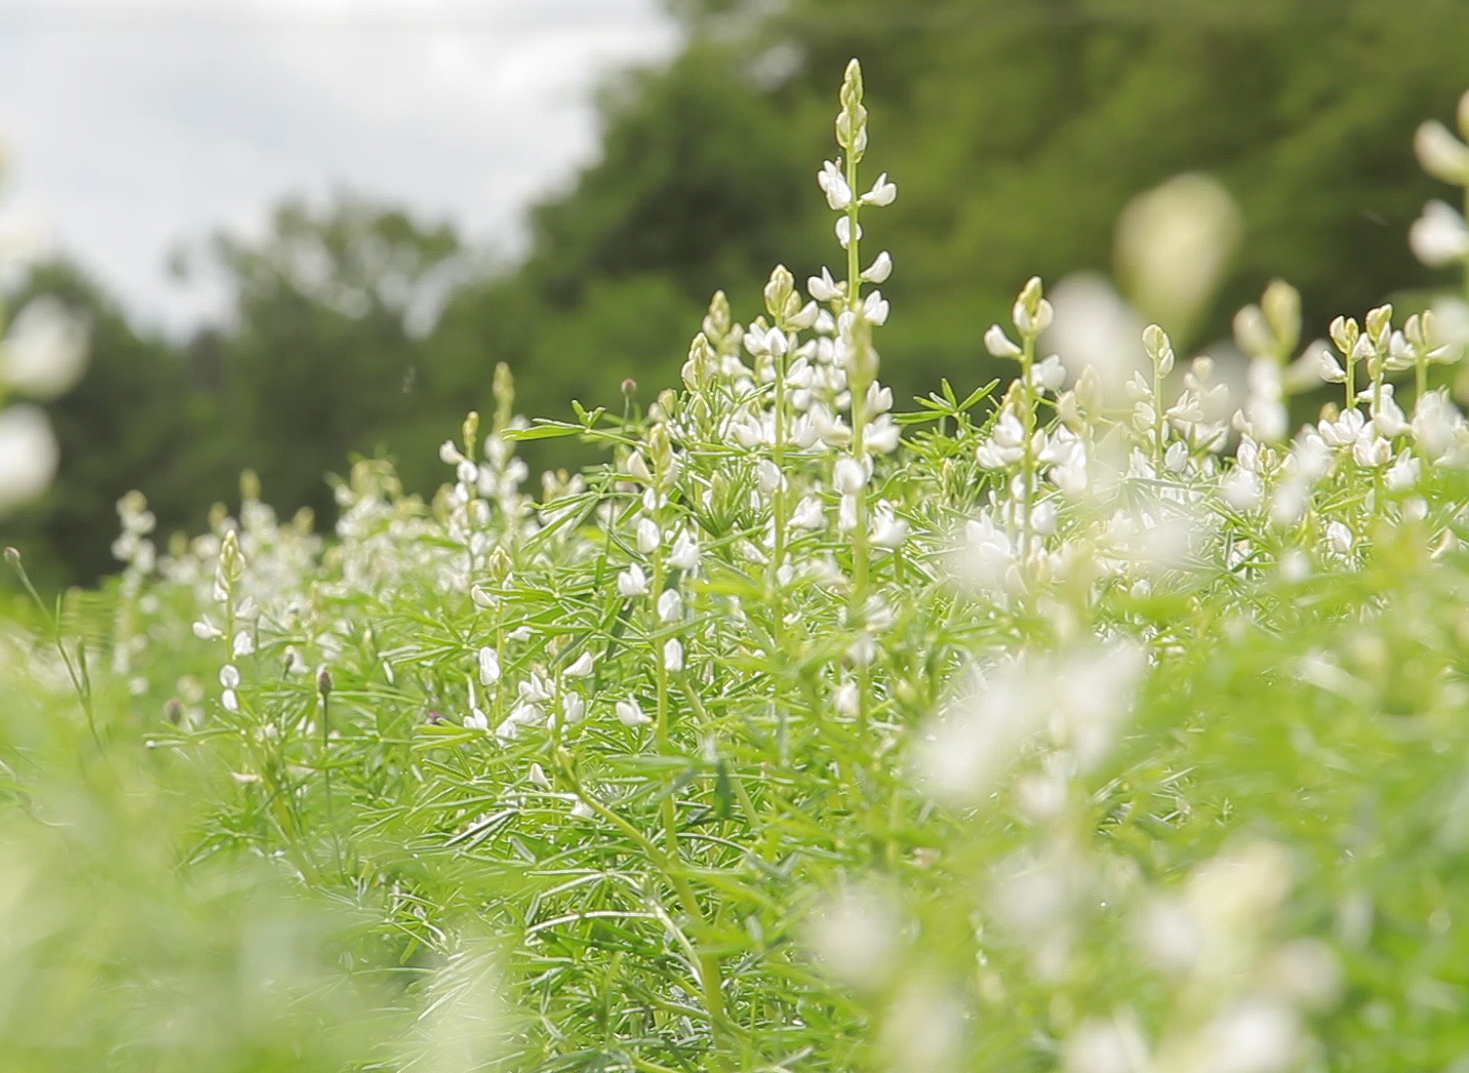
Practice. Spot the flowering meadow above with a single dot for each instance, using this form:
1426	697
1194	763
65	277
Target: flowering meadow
1102	721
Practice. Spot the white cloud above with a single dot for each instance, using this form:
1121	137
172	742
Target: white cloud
136	126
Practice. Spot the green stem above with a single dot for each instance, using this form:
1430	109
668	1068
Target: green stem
1027	456
711	981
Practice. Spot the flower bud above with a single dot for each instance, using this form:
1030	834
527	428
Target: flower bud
324	683
1442	155
1159	348
778	291
1282	307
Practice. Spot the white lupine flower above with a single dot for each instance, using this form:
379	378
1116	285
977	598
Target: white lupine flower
1371	450
879	400
489	666
846	699
581	667
450	455
1435	425
28	455
999	344
1043	517
45	350
685	554
1242	489
1345	430
637	468
1440	236
805	318
573	707
1404	472
1442	155
1387	416
242	645
888	530
1026	324
632	581
751	431
535	689
1066	456
1006	444
1289	503
834	185
1328	368
477	720
649	536
206	630
1176	457
823	288
630	713
883	192
581	810
537	776
849	476
986	556
875	308
767	476
1309	455
856	937
230	700
882	435
673	655
1340	538
880	269
831	429
844	231
809	514
229	676
670	606
1049	374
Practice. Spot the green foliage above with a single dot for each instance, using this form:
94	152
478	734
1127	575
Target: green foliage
1052	737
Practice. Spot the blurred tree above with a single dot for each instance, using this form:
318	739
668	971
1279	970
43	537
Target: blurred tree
326	354
134	418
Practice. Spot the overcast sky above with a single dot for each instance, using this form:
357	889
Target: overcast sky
133	126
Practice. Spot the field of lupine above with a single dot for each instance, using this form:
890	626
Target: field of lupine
1091	723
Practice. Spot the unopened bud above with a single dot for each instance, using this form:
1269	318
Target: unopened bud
1344	333
12	555
470	432
1282	307
717	321
324	683
503	388
778	291
1159	348
1379	325
173	711
499	564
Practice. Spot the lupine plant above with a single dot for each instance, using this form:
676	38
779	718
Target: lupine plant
1074	725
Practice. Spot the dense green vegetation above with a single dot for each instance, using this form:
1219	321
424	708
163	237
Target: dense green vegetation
1083	726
